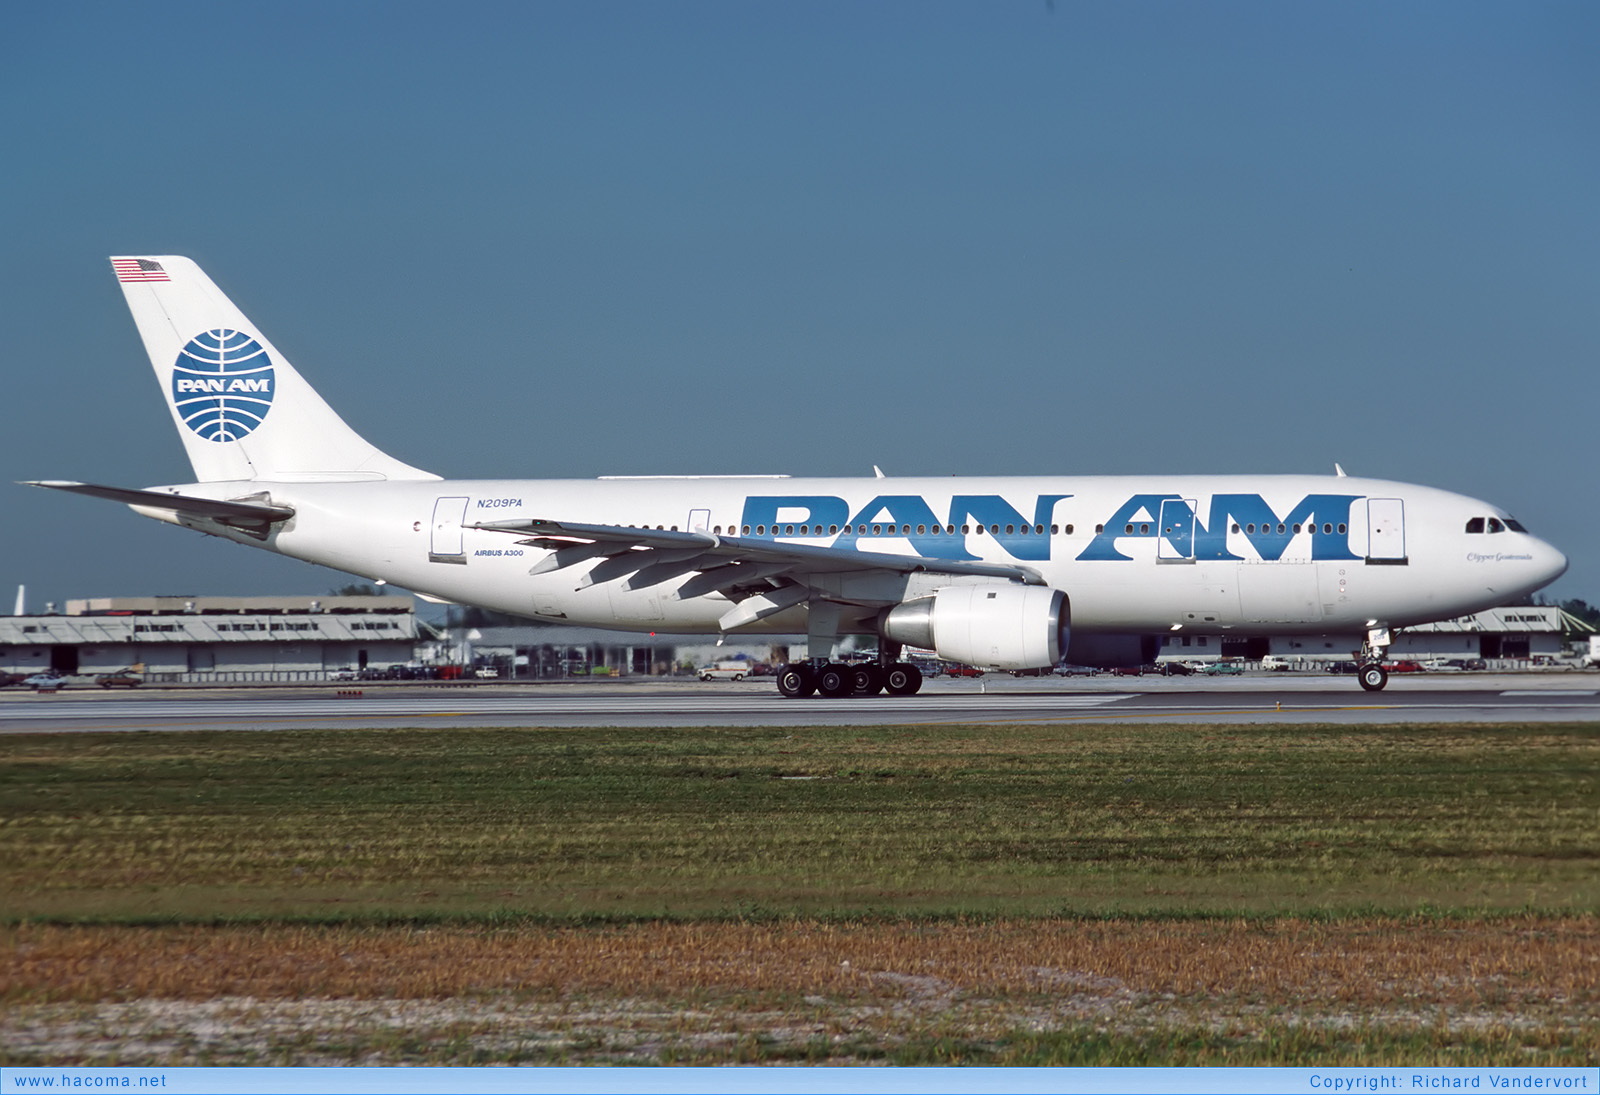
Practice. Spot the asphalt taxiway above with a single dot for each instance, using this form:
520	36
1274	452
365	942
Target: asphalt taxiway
1265	698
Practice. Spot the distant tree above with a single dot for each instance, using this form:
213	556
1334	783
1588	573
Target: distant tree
356	589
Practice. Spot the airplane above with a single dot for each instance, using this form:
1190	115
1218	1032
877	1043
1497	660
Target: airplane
1008	573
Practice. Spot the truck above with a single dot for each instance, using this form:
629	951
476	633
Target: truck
724	671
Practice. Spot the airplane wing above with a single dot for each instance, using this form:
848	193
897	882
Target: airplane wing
764	576
247	516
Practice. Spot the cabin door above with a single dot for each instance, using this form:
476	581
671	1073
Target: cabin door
446	546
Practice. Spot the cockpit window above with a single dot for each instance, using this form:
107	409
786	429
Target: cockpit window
1514	525
1475	524
1495	525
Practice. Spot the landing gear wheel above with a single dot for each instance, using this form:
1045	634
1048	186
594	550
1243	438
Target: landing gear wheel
796	681
1373	677
903	679
868	679
835	680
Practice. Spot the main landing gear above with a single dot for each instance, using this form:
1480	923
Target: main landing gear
835	679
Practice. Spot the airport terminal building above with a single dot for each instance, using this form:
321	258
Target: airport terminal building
222	639
241	640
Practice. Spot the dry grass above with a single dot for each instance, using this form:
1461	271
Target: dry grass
1452	991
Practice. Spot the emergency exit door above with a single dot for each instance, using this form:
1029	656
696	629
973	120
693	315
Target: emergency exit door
1176	543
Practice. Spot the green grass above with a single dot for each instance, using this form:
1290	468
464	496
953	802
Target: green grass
580	825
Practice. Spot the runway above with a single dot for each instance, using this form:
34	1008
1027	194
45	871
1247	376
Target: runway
1259	699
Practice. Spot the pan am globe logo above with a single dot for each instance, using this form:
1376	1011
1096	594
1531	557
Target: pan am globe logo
222	384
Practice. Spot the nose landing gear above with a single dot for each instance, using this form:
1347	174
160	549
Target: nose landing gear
1372	675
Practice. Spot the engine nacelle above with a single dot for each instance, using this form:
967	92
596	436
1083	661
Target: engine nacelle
990	625
1113	651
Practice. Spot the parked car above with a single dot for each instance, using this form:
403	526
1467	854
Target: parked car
1474	664
1128	671
122	678
45	682
343	675
956	669
1066	670
9	679
1224	669
1176	669
1345	667
1403	667
1441	665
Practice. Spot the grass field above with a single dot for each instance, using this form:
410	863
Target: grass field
1000	894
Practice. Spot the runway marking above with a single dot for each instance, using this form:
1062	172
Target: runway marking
1550	692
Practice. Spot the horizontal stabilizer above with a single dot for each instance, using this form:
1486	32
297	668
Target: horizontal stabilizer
230	512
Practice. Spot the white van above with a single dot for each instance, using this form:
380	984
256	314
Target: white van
724	671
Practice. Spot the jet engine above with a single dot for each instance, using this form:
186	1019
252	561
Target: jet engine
993	625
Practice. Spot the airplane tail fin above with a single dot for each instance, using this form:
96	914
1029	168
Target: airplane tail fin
242	410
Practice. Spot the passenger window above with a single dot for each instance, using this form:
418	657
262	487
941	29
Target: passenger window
1475	524
1069	530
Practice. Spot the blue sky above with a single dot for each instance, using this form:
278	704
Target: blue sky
583	239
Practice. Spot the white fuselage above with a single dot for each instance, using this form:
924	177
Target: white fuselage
1282	554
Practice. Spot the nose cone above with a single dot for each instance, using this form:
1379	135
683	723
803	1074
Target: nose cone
1551	562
